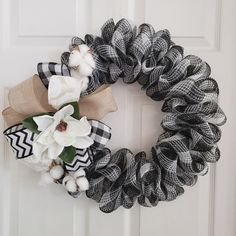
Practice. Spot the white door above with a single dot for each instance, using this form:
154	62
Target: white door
32	31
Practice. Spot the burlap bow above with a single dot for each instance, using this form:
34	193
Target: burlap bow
31	98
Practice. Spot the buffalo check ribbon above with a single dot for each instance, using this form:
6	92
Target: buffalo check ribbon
48	69
21	141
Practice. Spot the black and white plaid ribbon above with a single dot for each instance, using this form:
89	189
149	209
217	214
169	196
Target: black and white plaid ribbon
48	69
21	141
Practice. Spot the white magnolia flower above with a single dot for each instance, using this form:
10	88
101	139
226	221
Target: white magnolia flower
59	131
65	89
81	60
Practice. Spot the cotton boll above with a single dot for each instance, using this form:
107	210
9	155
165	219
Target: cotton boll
83	183
81	180
56	172
70	184
79	173
75	58
85	69
66	178
83	49
58	161
46	178
81	60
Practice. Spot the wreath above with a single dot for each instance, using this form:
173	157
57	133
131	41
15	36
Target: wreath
54	117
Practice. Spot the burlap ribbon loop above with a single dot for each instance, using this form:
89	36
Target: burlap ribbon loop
31	98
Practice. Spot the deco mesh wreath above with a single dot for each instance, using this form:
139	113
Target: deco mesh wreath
54	137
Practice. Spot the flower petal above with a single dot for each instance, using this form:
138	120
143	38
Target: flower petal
63	138
62	114
78	127
38	148
83	142
45	137
54	150
43	122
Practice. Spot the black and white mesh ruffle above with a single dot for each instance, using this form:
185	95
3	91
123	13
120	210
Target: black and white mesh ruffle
191	122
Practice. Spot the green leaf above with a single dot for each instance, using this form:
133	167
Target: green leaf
31	125
76	109
68	154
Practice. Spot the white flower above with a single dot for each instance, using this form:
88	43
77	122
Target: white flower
65	89
59	131
81	60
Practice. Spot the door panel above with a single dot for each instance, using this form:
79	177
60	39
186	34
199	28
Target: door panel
32	31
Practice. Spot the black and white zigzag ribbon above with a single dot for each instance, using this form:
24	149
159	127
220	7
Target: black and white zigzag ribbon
83	158
100	134
21	141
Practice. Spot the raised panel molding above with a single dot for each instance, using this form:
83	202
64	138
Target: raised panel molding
44	23
196	206
190	214
193	24
52	23
46	18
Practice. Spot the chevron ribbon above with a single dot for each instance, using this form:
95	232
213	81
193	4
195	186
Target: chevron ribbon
21	141
83	158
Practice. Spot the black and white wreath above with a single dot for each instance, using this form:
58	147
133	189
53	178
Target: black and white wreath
69	149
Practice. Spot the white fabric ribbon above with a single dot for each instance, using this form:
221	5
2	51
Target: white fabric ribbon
65	89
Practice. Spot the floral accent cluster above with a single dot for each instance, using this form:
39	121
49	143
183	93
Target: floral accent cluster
73	182
60	133
81	60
